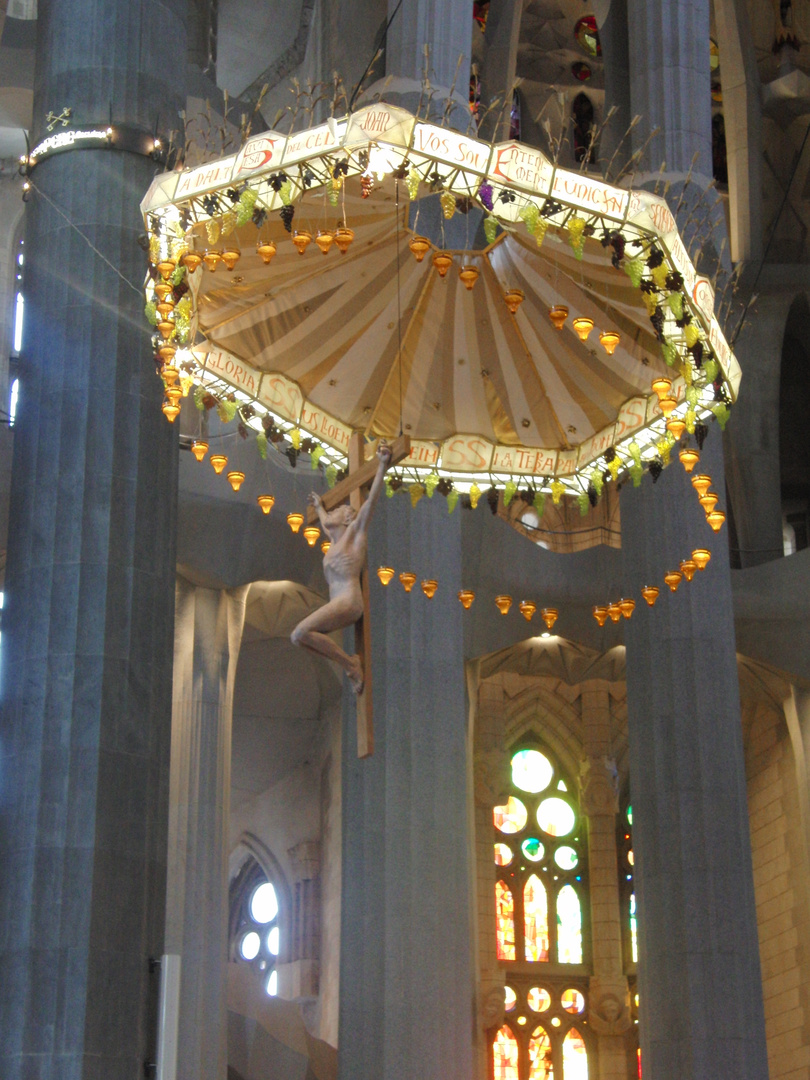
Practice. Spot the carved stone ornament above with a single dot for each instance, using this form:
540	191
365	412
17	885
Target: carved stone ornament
491	1009
493	777
610	1006
599	780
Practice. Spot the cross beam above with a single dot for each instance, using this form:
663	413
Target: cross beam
353	487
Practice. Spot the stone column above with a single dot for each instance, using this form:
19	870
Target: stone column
609	1013
298	978
208	633
406	988
89	604
500	60
699	975
445	26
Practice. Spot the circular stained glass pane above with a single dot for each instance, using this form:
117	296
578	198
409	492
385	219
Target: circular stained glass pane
539	999
509	998
533	849
566	858
555	817
503	855
572	1001
631	857
512	817
263	903
531	770
249	947
273	941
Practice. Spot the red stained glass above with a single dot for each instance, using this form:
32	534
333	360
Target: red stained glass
505	1055
535	916
504	922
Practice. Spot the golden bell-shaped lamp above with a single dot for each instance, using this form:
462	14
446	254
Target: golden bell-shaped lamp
162	290
582	326
218	462
615	612
676	426
343	239
549	616
662	386
442	261
192	260
173	393
469	274
558	314
429	588
466	597
420	246
709	501
503	603
628	606
325	545
688	568
166	267
171	410
701	483
165	308
302	239
514	298
311	534
266	502
527	608
266	249
609	339
408	580
199	449
667	405
295	520
701	558
324	240
689	457
169	373
165	328
716	518
230	257
236	479
166	352
673	579
600	613
385	574
650	594
212	257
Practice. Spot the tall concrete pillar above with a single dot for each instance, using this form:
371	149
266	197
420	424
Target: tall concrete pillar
87	627
699	974
445	26
208	633
406	988
609	996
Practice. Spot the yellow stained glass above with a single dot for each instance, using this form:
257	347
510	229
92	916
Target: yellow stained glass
556	817
503	855
505	1055
541	1066
531	770
539	999
575	1056
509	998
569	926
535	919
572	1001
504	921
512	817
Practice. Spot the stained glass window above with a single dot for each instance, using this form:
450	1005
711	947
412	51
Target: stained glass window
566	857
503	855
572	1001
509	998
539	999
627	862
541	1065
531	771
533	849
255	934
575	1056
505	1055
569	926
555	817
511	818
535	914
633	929
505	916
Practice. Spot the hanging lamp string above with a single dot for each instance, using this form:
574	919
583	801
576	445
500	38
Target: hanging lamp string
399	307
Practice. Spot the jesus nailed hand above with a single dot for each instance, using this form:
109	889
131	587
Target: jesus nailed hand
343	563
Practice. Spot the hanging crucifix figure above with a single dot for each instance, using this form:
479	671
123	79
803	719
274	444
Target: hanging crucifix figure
346	573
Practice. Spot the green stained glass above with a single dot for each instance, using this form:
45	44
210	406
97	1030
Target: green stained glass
503	855
575	1056
512	817
531	770
535	919
533	849
509	998
566	858
630	815
569	926
555	817
633	929
505	1055
540	1060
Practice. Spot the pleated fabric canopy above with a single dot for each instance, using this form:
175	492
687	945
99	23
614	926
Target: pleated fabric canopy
482	378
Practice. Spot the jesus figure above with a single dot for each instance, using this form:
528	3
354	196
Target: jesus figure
343	564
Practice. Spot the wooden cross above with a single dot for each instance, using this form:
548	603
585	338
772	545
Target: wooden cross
354	488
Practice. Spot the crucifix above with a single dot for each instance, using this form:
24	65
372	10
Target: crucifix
346	568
